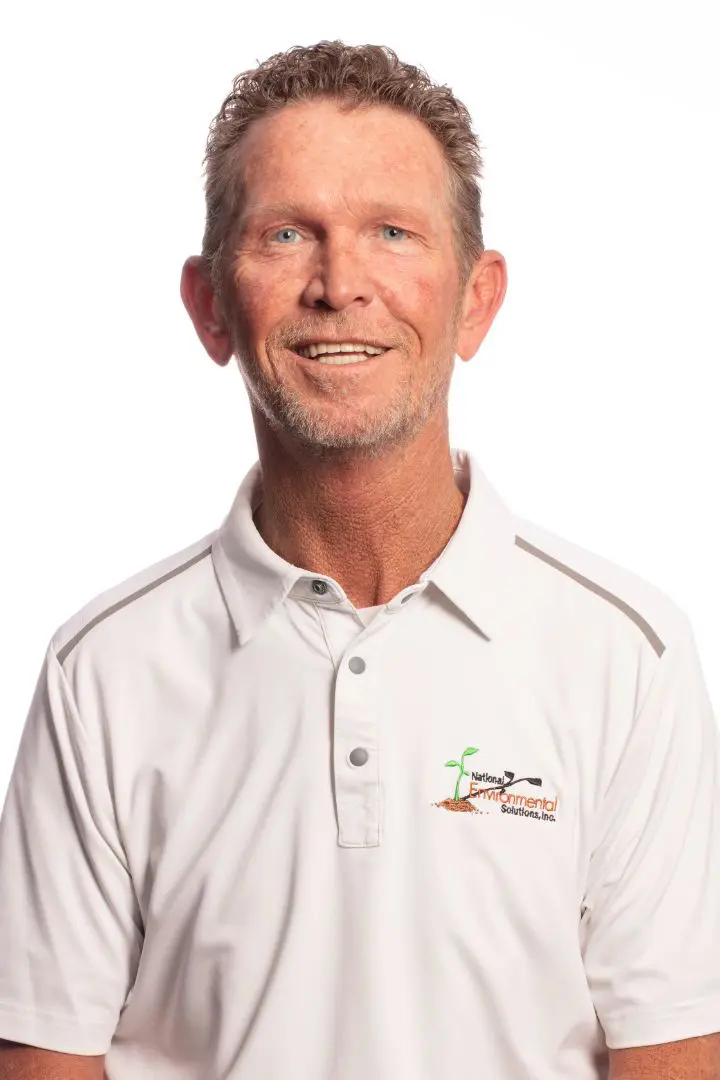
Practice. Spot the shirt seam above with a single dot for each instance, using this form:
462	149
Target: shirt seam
45	1015
652	1012
104	808
325	635
673	645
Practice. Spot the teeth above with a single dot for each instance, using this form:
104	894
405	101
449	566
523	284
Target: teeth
315	350
340	358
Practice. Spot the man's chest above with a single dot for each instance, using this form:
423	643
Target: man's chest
268	851
463	758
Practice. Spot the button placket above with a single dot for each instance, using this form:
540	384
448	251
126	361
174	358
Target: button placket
356	758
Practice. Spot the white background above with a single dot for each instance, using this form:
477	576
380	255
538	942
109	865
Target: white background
592	404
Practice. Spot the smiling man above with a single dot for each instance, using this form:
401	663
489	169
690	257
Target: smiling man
377	781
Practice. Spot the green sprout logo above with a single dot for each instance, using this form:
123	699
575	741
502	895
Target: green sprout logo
461	766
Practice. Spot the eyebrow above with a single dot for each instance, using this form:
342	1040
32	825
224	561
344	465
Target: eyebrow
258	214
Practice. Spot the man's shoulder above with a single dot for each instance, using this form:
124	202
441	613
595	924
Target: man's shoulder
594	584
134	602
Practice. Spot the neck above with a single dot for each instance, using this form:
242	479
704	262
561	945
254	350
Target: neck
371	523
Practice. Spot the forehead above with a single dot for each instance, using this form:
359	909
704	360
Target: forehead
356	157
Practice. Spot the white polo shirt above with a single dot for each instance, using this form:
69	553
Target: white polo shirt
247	836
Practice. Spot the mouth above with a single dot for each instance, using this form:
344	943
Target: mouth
341	359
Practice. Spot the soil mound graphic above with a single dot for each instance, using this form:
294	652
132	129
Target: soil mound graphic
459	804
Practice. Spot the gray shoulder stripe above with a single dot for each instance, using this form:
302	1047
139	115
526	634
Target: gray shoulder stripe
67	649
630	612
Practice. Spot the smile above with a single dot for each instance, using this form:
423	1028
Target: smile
341	359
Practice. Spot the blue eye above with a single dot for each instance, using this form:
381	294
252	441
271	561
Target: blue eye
287	229
395	229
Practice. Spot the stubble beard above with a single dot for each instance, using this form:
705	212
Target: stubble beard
420	396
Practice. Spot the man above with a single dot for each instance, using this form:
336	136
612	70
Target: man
378	780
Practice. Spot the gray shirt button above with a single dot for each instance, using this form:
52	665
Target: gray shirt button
320	587
357	664
359	755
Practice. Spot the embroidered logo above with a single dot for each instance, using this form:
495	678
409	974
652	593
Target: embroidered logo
489	798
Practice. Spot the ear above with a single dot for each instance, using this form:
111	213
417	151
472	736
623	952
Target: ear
484	294
204	309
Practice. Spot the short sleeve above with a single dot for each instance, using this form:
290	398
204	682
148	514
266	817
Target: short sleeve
650	925
70	929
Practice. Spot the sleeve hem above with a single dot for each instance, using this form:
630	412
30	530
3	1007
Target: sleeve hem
649	1028
62	1034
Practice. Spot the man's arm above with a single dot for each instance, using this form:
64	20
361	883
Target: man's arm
20	1062
687	1059
650	916
71	929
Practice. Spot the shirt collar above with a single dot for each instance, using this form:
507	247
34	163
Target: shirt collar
472	571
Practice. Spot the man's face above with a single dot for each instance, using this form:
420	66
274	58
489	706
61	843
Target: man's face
364	253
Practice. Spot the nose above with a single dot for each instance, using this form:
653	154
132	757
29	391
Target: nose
341	275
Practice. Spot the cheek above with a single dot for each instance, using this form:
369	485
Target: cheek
409	293
250	288
433	300
260	300
430	294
